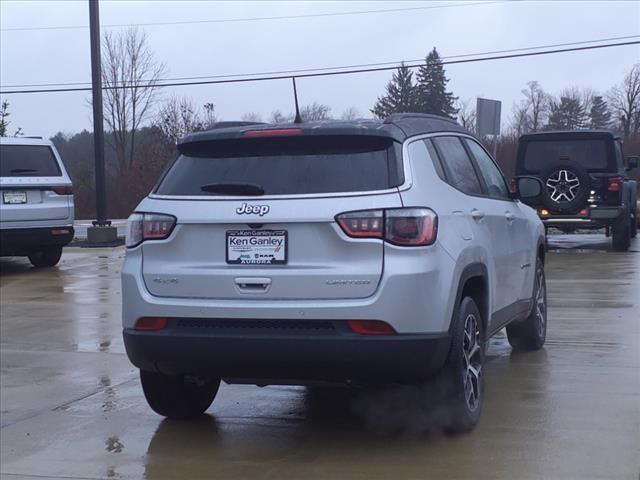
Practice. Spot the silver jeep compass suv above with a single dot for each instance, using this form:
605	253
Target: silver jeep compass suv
36	201
363	252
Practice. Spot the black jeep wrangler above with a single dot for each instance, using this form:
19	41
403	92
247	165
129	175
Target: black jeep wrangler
586	185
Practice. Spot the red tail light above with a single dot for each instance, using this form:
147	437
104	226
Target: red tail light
371	327
364	224
63	190
273	132
151	323
614	184
513	185
400	226
148	226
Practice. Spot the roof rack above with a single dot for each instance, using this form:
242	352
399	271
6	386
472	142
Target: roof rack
426	116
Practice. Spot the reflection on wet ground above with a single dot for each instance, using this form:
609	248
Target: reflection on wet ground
72	405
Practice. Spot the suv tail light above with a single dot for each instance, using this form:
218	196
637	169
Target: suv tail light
614	184
399	226
63	190
148	226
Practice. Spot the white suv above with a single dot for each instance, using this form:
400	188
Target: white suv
361	252
36	201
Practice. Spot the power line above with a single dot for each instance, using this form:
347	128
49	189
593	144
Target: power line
253	19
395	64
325	74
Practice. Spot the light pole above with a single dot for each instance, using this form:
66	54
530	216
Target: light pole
102	232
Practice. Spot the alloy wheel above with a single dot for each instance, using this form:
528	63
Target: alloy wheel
541	303
563	186
472	362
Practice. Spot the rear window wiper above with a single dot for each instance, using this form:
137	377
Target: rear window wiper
23	170
233	189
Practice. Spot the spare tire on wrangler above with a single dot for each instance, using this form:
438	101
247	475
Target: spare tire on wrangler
566	187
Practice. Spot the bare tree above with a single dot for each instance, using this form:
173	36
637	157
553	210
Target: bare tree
127	62
466	114
625	102
350	113
252	117
520	122
315	111
210	116
177	117
278	117
537	104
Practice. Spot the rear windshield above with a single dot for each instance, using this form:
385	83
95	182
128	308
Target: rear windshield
540	154
286	166
28	161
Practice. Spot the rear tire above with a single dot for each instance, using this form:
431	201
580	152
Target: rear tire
178	397
531	333
462	377
621	233
47	257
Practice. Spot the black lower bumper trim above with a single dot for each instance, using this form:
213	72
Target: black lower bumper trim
304	357
23	241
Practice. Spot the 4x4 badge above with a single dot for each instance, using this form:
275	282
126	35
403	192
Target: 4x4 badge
246	209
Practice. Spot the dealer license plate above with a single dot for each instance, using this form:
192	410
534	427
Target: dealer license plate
257	247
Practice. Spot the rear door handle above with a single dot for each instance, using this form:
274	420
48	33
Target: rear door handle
477	214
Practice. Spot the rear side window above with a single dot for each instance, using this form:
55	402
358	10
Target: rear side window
457	164
542	154
28	161
493	179
287	165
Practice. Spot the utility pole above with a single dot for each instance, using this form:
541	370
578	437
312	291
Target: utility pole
102	232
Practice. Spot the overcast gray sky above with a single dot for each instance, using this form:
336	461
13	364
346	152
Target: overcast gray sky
62	55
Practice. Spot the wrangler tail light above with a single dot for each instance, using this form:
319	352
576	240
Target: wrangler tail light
63	190
399	226
151	323
614	184
148	226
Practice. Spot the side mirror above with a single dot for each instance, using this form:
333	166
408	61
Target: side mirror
632	162
528	189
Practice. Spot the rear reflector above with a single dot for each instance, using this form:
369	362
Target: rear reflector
63	190
273	132
151	323
60	231
371	327
584	212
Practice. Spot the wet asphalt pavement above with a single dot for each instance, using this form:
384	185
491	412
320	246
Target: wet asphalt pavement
72	407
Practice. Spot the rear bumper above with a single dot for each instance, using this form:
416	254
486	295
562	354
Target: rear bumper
22	241
597	217
279	354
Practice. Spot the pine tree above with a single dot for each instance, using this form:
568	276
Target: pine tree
568	114
600	115
400	95
432	95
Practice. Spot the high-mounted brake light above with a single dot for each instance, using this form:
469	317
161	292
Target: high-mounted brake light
148	226
272	132
63	190
400	226
614	184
